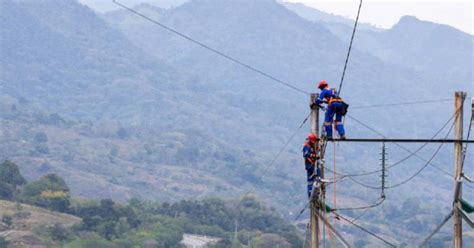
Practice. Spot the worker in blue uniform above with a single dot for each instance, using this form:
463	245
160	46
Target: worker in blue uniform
335	106
311	161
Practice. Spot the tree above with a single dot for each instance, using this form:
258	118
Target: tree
10	174
7	192
223	243
107	230
59	233
50	192
273	240
10	179
3	242
7	220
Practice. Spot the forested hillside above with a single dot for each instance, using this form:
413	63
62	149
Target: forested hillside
122	108
43	213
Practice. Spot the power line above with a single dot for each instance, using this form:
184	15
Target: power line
414	175
365	230
464	152
422	168
376	204
350	48
400	161
400	146
365	185
360	215
213	49
285	145
274	159
418	172
400	104
350	176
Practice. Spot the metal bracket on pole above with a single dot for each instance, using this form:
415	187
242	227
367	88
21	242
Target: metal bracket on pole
467	178
465	216
457	190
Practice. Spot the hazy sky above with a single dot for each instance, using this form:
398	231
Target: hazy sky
382	13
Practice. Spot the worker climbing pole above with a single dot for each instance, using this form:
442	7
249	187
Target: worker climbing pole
311	158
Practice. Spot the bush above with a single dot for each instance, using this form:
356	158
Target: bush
7	220
59	233
10	174
50	192
3	242
7	192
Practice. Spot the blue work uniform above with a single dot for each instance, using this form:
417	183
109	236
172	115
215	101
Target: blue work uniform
335	107
310	161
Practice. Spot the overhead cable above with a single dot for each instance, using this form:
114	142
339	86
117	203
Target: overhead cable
274	159
464	152
365	230
412	176
376	204
400	104
401	160
222	54
350	47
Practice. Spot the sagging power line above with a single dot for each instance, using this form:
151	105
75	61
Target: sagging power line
403	159
350	47
215	51
401	104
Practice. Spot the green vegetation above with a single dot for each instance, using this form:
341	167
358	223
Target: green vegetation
50	192
238	223
120	108
10	179
131	225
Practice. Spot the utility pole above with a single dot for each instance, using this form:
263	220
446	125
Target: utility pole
458	134
314	223
457	213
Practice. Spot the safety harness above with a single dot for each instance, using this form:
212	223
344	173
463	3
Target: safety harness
336	98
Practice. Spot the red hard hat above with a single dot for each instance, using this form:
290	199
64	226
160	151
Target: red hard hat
312	137
322	84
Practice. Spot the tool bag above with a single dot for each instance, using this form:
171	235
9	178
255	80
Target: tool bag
345	107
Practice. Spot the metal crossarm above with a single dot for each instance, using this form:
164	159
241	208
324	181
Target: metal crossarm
388	140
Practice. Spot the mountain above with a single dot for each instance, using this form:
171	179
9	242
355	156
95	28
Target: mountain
335	23
130	109
67	59
428	48
412	43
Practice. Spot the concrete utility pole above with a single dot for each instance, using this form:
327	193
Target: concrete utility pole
458	134
314	223
457	213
